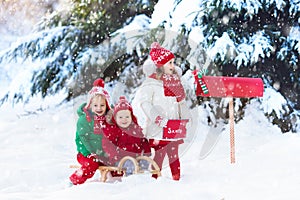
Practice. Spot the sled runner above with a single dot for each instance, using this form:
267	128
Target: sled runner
152	167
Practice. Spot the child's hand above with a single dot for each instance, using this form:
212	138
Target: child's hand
161	122
155	142
109	116
92	156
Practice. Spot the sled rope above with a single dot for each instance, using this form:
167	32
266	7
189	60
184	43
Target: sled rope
231	121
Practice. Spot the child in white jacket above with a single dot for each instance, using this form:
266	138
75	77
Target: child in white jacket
161	98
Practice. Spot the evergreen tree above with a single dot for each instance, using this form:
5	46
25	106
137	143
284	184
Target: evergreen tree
64	40
256	38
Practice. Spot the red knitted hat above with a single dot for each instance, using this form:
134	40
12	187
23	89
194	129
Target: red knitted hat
123	104
98	88
159	55
99	83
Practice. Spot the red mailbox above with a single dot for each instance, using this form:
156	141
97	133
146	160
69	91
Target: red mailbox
239	87
232	87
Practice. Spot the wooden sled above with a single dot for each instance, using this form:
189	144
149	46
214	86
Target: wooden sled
153	167
104	170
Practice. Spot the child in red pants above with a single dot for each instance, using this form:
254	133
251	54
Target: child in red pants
88	134
161	100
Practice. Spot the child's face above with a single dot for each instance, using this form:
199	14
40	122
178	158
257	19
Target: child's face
169	67
123	118
98	105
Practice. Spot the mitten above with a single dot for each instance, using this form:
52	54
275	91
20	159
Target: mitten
109	116
93	157
161	122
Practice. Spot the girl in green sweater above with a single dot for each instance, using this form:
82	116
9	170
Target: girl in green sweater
92	117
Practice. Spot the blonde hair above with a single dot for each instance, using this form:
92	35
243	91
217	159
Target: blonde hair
99	96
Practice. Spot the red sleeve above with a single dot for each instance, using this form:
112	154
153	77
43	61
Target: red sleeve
110	142
111	133
144	141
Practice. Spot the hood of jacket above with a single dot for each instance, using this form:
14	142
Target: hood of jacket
82	111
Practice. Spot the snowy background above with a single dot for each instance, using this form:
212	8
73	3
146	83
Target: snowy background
37	141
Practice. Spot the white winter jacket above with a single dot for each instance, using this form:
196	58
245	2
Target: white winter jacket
152	102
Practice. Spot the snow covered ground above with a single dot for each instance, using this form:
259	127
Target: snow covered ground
38	147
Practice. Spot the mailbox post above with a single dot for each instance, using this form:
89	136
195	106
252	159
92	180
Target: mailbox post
229	87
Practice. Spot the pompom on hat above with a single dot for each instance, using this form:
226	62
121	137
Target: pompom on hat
97	89
160	55
123	104
99	82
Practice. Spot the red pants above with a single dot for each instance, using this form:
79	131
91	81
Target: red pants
87	170
169	148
